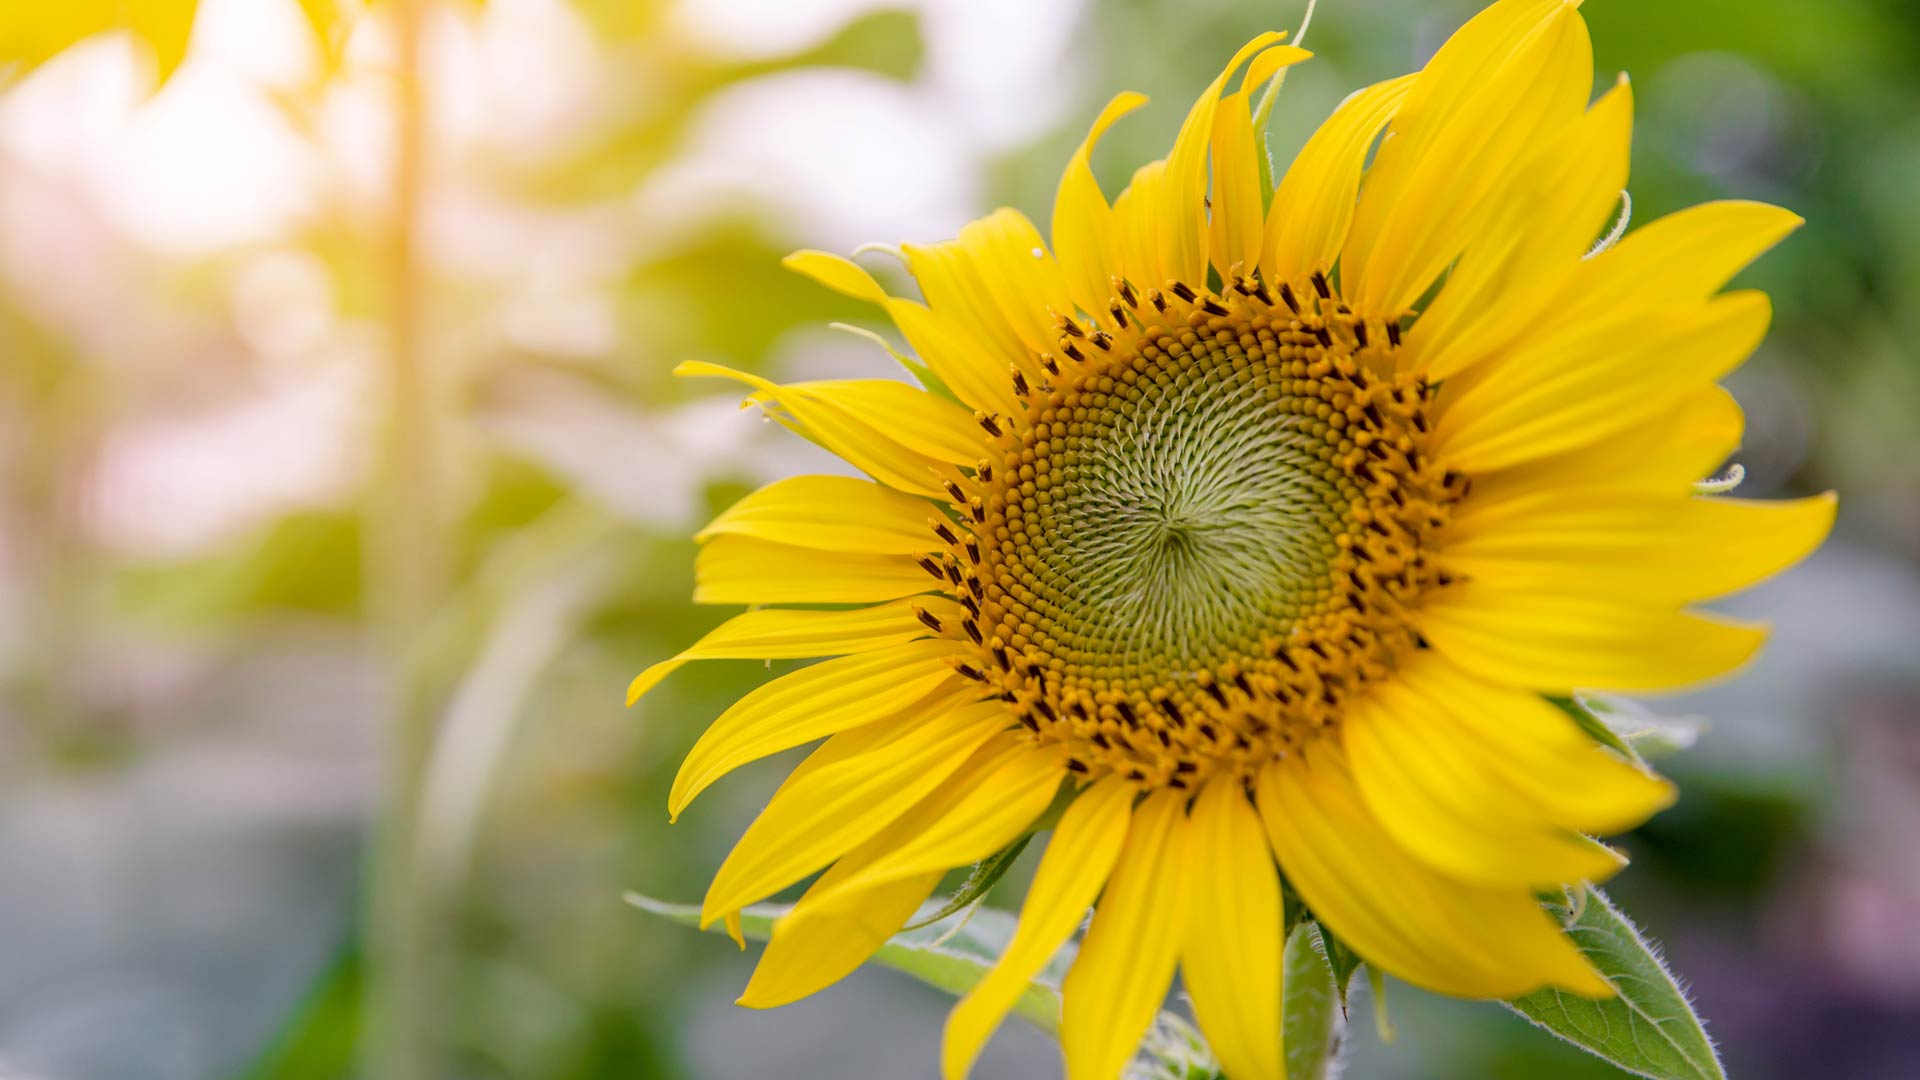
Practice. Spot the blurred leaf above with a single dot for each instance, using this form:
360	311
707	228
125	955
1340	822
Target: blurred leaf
953	954
308	561
1599	730
318	1040
1649	1029
1650	734
1311	1021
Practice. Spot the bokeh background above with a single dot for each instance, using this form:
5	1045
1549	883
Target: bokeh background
343	482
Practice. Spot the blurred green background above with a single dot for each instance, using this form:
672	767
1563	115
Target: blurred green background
342	481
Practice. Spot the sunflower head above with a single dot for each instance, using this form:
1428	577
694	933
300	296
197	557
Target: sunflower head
1258	527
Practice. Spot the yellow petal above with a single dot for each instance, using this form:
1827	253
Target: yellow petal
1505	84
1231	958
1666	456
871	892
997	278
1399	914
1543	220
855	785
831	513
1125	965
743	570
981	810
1165	215
1536	752
1592	381
903	437
1439	783
905	682
775	634
1313	206
1084	847
1660	550
1083	229
1556	643
1685	256
947	349
1237	215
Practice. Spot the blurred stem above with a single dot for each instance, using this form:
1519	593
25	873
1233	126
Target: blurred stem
405	559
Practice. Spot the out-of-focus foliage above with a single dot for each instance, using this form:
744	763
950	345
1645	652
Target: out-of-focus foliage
190	698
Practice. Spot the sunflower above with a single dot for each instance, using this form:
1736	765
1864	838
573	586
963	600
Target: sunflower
1256	527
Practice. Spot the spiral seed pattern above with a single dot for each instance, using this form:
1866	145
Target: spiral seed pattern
1203	532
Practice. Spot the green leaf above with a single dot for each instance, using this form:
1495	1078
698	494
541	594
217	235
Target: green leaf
1311	1020
1630	727
953	954
1649	1029
1342	961
986	874
1649	733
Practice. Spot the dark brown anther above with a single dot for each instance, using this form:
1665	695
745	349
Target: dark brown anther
985	420
1393	334
1360	333
973	550
978	590
1326	338
1419	421
1126	712
1286	294
967	670
1101	741
1050	362
1019	379
1172	710
1177	783
941	530
926	617
978	508
1353	598
1000	655
954	490
1373	414
1206	731
1102	340
1319	650
1119	314
931	567
1046	710
1240	680
972	606
1260	290
984	471
1068	326
1123	289
1182	290
1136	775
1032	724
973	631
952	569
1159	302
1321	286
1165	739
1078	707
1186	767
1442	578
1213	691
1374	525
1078	766
1072	350
1212	306
1286	657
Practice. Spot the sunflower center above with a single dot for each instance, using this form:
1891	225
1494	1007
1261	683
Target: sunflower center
1202	533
